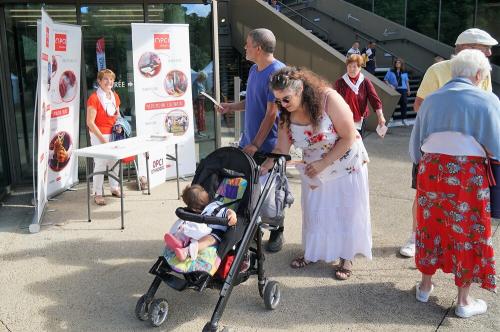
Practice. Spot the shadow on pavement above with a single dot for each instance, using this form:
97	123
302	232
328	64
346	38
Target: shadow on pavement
107	278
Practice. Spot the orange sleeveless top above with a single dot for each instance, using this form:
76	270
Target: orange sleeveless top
102	120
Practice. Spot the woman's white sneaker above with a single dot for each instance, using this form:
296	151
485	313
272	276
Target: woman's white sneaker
423	296
408	250
476	307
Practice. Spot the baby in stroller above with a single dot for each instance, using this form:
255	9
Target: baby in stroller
186	238
230	177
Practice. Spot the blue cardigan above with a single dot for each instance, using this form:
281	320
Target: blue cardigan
462	107
390	77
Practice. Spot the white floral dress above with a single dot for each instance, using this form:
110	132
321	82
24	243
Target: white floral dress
335	204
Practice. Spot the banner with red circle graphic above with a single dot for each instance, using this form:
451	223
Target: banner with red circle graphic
65	103
58	109
163	104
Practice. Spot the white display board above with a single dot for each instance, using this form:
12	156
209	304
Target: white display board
44	83
65	103
163	104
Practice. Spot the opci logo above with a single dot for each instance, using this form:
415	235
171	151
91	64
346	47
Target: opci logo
158	163
158	166
162	41
61	42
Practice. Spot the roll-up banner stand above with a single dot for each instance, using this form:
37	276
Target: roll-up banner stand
65	103
163	104
57	113
43	114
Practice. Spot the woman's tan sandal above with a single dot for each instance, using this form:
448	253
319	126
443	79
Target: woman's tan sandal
116	193
299	262
99	200
341	272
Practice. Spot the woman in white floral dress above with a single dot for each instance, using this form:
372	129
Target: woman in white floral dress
334	172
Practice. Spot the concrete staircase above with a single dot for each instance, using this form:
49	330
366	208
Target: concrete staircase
293	12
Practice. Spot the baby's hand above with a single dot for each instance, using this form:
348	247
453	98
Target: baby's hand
231	216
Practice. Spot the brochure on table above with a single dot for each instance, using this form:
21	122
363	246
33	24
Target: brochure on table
163	104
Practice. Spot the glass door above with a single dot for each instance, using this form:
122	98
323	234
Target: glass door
4	175
106	30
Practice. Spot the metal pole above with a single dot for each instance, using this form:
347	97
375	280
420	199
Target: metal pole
237	115
147	172
406	11
177	172
439	21
121	193
474	19
215	36
88	187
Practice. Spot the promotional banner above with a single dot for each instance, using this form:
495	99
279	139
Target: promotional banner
44	83
65	103
163	104
100	51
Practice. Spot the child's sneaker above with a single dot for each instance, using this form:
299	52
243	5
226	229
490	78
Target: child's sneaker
181	253
172	242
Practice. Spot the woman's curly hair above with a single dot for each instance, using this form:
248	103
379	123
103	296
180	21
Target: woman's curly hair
313	86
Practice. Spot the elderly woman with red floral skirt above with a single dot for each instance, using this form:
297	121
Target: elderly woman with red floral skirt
457	129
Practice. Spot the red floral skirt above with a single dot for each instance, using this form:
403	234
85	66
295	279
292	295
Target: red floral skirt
199	113
453	219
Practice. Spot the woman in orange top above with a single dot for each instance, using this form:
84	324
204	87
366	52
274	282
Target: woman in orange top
102	111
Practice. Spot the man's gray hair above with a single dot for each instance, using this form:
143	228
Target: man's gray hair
264	38
468	62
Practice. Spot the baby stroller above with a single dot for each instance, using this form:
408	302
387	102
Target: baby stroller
240	250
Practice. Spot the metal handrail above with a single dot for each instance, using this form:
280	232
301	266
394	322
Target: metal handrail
358	33
302	17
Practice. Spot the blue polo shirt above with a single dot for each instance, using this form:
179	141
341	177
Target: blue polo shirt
257	96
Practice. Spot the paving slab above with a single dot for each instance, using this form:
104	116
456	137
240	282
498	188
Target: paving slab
81	276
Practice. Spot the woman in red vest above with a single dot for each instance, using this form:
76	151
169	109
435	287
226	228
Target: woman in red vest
102	110
357	91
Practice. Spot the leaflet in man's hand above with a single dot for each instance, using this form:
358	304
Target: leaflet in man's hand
211	98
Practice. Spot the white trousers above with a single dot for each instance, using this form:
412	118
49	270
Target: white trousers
99	166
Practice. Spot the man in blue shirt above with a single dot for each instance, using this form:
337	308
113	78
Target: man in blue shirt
261	113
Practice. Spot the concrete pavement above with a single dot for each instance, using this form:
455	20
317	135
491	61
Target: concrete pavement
80	276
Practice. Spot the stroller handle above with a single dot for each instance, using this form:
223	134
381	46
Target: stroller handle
273	155
188	215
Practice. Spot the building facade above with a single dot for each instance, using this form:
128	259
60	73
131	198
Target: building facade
442	20
108	19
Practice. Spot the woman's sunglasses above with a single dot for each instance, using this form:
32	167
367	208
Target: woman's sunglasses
285	100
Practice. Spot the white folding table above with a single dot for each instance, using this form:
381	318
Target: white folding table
119	150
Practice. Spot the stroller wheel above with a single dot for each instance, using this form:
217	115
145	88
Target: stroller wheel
142	308
158	312
272	295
